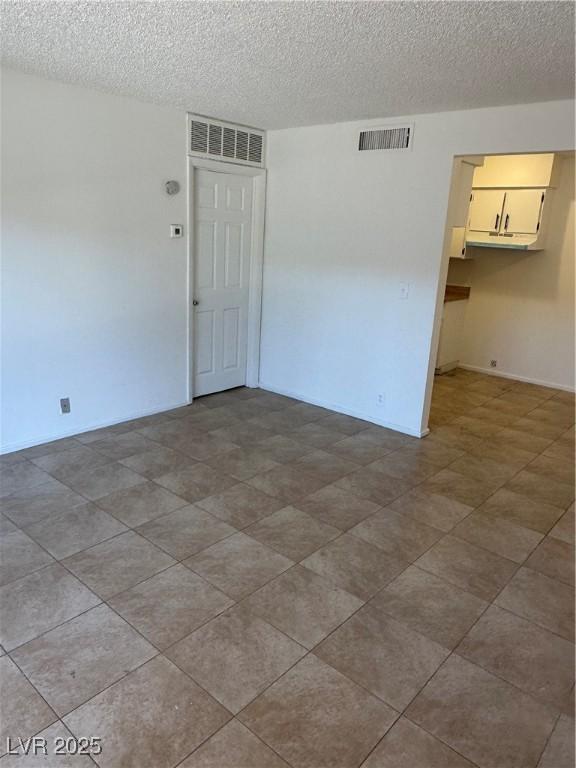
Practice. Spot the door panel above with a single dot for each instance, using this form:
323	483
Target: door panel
222	240
522	211
486	210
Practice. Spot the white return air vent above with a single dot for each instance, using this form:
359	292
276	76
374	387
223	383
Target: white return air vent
216	140
389	138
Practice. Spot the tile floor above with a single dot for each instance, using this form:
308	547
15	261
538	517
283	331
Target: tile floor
254	582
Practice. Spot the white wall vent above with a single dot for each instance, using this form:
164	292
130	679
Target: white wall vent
392	137
217	140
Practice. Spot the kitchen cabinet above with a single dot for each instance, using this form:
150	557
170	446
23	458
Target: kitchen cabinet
522	209
486	206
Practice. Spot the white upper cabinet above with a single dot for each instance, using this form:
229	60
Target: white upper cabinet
522	209
486	207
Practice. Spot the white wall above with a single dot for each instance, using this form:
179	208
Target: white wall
94	291
521	306
345	229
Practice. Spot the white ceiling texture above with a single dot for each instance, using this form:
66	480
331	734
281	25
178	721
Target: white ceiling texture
282	64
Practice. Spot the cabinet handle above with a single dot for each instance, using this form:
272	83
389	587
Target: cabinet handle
496	222
506	221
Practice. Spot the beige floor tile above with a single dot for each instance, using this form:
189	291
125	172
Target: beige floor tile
78	659
123	446
140	504
542	600
382	655
23	712
95	482
359	451
241	505
407	746
44	449
117	564
499	536
457	437
316	434
235	657
20	476
520	509
518	651
559	752
484	469
170	605
513	457
234	746
203	446
152	718
466	566
482	717
560	450
287	483
186	531
74	530
334	506
355	566
555	559
72	460
238	565
431	509
516	438
466	490
243	463
31	505
557	469
326	466
542	489
195	482
405	465
242	433
157	462
374	486
564	528
537	428
388	438
397	534
19	556
347	425
303	605
39	602
283	449
314	717
292	533
430	606
435	451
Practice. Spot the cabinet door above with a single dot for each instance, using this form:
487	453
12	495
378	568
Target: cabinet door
522	211
486	210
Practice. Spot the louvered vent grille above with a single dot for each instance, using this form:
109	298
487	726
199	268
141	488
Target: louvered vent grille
397	137
212	139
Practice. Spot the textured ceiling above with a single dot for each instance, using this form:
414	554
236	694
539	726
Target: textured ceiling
280	64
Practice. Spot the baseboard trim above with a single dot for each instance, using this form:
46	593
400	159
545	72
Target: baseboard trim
343	409
515	377
11	447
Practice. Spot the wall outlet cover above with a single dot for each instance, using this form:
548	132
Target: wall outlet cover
65	405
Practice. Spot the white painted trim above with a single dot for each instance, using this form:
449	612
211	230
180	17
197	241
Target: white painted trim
342	409
10	447
256	263
515	377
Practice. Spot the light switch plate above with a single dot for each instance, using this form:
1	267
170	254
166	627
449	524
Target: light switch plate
176	230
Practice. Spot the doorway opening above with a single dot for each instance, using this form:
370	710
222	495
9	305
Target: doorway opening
226	230
506	315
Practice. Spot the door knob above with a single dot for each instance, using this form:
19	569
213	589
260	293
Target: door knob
195	302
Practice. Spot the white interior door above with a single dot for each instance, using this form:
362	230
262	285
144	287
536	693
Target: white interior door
486	210
522	211
222	243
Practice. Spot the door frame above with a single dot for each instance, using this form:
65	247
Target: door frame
258	176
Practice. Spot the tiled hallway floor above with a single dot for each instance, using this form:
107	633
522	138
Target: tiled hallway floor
253	582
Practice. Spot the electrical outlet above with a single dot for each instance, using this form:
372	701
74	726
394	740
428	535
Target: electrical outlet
65	405
380	400
493	363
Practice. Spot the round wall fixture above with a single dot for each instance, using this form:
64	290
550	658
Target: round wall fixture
172	187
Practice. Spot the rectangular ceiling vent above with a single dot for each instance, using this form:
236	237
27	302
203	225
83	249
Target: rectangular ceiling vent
217	140
394	137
